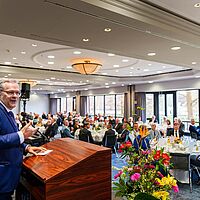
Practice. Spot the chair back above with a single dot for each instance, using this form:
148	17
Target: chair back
180	161
110	141
83	137
194	135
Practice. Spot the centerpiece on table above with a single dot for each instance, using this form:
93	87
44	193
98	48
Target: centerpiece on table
145	176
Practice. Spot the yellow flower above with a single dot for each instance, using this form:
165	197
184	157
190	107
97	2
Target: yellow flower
169	180
161	195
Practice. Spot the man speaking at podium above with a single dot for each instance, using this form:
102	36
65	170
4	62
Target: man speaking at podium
11	140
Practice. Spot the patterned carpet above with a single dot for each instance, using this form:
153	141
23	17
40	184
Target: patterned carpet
184	193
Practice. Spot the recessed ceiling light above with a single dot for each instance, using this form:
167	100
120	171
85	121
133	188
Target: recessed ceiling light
117	70
85	40
107	86
163	67
87	81
53	78
23	52
47	79
85	89
41	66
106	83
122	85
151	54
130	72
132	68
197	5
146	70
125	60
104	73
194	63
149	64
9	74
111	54
77	52
131	75
50	63
69	67
5	76
113	83
34	45
14	58
7	63
197	76
159	72
150	81
107	29
50	56
115	65
175	48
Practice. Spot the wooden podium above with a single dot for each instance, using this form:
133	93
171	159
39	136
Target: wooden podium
74	170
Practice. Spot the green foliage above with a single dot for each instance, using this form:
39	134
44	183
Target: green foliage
144	196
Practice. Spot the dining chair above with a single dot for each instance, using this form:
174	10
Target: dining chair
181	169
111	141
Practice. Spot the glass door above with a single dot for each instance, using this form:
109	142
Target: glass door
167	105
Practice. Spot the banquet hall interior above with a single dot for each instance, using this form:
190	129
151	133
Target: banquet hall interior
95	64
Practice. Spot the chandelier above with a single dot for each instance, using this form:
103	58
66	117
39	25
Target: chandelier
86	67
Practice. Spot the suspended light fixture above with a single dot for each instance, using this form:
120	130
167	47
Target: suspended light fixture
87	67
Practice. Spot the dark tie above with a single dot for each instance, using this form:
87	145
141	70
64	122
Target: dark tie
11	114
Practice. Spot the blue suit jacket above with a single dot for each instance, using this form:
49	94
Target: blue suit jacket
11	152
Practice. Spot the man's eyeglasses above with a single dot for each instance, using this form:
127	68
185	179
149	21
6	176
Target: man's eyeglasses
12	93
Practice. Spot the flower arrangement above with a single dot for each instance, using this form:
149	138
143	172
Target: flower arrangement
145	176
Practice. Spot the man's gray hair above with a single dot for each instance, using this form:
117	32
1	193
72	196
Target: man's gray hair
6	81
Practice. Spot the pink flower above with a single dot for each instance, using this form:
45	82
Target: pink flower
159	174
135	177
118	174
146	152
175	188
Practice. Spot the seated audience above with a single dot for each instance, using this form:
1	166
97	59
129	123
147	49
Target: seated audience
65	132
52	128
118	126
154	133
125	133
139	121
193	128
181	125
85	133
110	131
141	141
175	131
153	119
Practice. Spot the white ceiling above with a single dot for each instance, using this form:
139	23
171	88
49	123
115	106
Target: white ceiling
58	27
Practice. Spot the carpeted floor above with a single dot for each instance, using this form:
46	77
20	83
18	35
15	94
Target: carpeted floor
184	189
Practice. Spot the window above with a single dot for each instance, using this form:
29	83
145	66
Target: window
58	104
99	105
110	105
149	105
90	105
63	104
120	105
188	105
69	104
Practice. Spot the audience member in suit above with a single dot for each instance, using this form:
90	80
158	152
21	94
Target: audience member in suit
182	125
110	131
125	133
65	132
141	141
76	126
154	133
12	144
52	128
193	128
175	131
118	126
85	134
